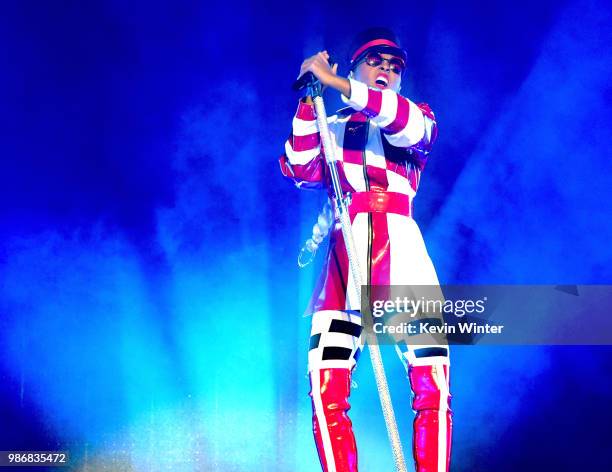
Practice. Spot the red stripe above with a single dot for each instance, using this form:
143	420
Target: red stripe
380	202
378	178
304	143
449	420
305	112
316	428
381	252
380	270
335	389
358	117
426	109
372	108
425	440
426	402
309	175
331	287
351	156
370	44
401	117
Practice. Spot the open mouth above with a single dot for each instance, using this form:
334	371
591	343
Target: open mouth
382	81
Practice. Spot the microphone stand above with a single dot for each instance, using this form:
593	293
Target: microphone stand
315	91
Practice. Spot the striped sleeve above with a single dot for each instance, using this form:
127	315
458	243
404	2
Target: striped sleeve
404	123
302	161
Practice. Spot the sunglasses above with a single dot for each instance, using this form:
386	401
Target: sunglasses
375	59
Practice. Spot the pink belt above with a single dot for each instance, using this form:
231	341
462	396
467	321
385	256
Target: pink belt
380	202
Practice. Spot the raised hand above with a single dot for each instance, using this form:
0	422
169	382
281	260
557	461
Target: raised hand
319	66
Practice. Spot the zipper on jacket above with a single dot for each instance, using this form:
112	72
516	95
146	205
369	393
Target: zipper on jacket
367	184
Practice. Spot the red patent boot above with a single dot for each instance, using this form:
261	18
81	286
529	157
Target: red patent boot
333	430
433	422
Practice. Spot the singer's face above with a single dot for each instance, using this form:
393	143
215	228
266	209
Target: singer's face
381	76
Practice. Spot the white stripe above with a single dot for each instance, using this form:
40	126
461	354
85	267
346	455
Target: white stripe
414	130
400	184
337	340
359	95
315	378
337	129
320	321
360	235
304	127
354	175
374	151
300	157
410	262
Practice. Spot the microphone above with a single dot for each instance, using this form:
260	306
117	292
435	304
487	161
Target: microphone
303	81
307	79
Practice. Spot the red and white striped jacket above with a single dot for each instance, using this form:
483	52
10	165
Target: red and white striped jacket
381	144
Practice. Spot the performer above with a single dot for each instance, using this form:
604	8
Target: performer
381	141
